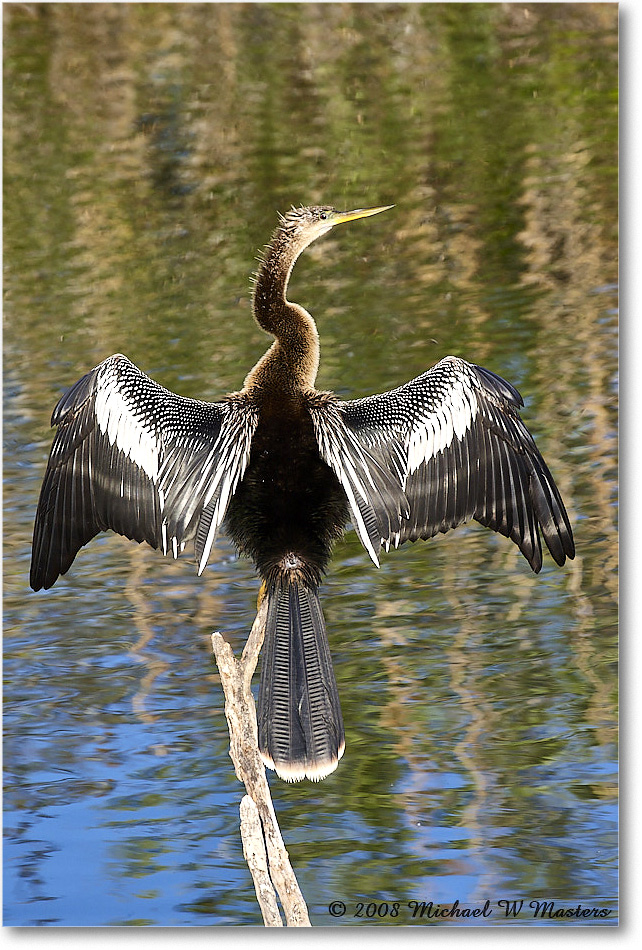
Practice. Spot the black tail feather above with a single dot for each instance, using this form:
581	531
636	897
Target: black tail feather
299	716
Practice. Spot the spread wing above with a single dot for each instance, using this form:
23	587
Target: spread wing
373	486
134	457
453	441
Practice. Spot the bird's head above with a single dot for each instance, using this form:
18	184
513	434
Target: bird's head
302	226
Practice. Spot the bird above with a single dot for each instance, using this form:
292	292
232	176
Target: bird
284	468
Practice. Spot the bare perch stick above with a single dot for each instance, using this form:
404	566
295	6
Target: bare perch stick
254	851
257	810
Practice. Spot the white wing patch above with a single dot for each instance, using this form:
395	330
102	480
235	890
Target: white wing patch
118	421
434	429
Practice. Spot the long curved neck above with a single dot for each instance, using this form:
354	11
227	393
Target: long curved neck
293	360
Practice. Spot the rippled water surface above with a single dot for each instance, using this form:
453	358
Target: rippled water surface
148	149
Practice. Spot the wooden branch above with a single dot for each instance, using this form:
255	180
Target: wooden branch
254	851
259	827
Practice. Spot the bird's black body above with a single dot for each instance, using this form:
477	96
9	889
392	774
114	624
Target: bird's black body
284	467
290	504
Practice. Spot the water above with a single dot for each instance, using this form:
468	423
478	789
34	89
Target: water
148	149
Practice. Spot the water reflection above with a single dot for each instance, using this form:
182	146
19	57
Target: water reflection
147	150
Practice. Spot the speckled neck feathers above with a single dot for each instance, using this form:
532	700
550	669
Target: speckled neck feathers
293	360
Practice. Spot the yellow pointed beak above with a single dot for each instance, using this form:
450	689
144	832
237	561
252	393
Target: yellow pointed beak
342	217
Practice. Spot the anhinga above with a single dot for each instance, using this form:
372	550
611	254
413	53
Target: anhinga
284	467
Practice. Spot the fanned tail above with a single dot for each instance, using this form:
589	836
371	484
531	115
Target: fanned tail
299	716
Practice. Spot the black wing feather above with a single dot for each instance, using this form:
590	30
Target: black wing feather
136	458
465	454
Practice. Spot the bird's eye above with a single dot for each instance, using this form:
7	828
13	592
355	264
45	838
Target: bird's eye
323	215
